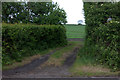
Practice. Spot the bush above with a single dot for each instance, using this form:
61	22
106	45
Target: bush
19	40
102	38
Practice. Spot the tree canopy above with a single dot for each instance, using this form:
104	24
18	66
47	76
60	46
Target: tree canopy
33	12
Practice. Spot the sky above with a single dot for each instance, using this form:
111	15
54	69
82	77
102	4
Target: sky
73	8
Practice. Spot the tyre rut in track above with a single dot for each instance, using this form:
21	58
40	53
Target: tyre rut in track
30	66
71	59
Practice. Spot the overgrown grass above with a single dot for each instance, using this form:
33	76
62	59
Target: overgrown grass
75	31
59	56
86	65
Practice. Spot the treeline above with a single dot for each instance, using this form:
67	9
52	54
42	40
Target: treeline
33	12
102	37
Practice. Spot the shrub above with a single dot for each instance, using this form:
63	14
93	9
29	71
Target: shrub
19	40
102	38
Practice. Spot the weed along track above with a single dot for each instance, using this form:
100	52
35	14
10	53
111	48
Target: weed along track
36	70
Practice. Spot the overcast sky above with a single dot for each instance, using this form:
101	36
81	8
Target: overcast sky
73	8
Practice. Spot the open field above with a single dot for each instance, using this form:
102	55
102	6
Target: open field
75	31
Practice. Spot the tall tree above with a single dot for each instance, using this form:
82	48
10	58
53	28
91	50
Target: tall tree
13	12
34	12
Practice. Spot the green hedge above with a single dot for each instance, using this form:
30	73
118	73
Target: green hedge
19	40
102	38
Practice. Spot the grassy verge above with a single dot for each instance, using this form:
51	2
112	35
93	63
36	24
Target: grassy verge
75	31
85	65
27	60
59	57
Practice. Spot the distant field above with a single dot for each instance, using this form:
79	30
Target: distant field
75	31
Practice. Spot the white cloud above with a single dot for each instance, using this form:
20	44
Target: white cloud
73	9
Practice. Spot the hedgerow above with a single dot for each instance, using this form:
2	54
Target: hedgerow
102	38
20	40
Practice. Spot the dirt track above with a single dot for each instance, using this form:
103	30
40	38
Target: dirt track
34	70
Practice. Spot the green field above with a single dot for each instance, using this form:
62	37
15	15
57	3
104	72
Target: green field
75	31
